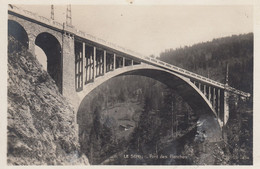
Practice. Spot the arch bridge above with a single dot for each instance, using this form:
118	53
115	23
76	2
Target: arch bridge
79	62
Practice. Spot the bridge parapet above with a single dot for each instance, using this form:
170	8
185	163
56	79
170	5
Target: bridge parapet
185	72
195	76
35	16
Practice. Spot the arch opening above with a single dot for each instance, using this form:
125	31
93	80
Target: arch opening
182	88
185	88
52	49
18	32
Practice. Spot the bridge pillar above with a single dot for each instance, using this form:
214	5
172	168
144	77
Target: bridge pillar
226	106
205	90
218	102
84	64
114	63
209	97
68	74
105	62
123	62
214	99
94	62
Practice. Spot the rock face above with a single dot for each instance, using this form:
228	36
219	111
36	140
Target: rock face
41	123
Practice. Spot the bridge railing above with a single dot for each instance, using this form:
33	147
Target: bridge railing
184	72
70	29
35	16
239	92
196	76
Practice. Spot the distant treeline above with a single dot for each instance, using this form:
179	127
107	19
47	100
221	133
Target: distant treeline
210	59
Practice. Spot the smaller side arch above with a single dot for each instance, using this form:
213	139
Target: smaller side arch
52	49
18	32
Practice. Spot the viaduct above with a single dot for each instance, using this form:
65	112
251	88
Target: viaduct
79	62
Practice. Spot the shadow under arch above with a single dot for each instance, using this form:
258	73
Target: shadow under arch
18	32
52	49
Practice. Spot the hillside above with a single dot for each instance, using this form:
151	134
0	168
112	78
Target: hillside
41	123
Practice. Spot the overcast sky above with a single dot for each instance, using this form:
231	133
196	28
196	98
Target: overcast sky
152	29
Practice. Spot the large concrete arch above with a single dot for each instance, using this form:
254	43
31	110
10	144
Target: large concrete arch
52	49
18	32
185	88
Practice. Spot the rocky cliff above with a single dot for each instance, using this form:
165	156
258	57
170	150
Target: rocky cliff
41	127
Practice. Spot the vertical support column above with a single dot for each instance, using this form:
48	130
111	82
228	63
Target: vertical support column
132	62
114	64
123	62
209	94
199	86
226	100
88	56
218	102
97	65
214	99
84	64
90	65
94	62
205	90
101	63
105	62
79	70
226	106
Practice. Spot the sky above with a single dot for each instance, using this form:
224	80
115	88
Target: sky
150	29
